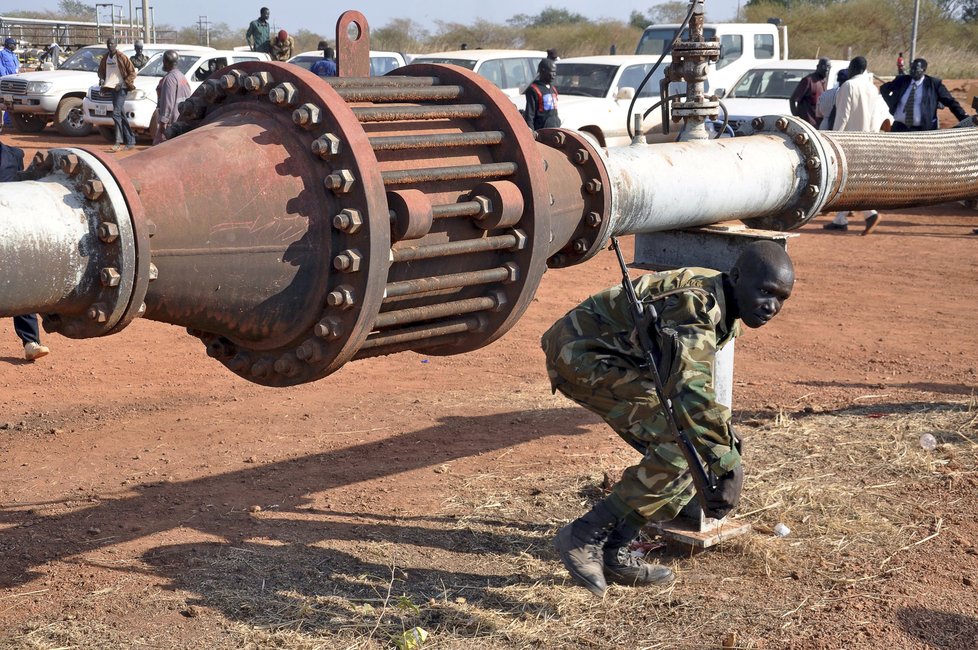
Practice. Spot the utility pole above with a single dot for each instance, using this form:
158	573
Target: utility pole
913	31
146	20
203	31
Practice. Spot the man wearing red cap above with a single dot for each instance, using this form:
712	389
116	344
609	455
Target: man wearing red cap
282	46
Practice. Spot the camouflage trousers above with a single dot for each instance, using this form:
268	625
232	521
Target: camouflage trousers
660	485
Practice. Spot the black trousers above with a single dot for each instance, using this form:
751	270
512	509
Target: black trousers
26	328
900	127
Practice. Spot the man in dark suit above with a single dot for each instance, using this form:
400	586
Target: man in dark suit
914	99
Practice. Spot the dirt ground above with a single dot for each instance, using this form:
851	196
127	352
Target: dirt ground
149	498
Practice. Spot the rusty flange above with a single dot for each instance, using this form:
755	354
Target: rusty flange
592	230
117	247
353	218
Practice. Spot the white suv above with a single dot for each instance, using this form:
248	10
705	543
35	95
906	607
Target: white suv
140	105
380	62
511	70
37	98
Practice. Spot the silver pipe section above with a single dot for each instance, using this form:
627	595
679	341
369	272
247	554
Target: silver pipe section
43	263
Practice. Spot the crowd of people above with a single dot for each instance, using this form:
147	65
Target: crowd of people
907	103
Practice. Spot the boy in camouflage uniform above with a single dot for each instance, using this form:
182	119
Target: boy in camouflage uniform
594	358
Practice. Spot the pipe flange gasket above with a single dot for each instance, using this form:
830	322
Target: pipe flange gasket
819	164
111	245
355	220
691	49
592	230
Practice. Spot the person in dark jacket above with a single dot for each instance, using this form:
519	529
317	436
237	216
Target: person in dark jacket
804	101
12	169
541	98
914	99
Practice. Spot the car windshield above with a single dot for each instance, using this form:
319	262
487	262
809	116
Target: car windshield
768	83
155	66
658	40
464	63
304	61
85	59
595	79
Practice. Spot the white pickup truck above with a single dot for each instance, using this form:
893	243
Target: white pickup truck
37	98
140	106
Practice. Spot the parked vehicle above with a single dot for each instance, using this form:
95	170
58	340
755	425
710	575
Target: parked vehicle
140	105
742	46
766	88
510	70
380	62
595	93
37	98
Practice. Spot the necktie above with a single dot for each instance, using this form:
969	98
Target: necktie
908	109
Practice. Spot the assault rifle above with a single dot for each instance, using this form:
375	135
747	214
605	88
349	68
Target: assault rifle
644	316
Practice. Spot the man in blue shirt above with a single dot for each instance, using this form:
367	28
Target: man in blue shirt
9	64
327	66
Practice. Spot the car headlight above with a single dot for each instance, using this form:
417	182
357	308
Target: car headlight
38	87
136	95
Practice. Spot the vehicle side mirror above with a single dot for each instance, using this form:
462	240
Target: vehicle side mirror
625	92
721	93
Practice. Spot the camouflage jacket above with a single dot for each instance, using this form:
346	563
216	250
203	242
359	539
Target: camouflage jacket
598	338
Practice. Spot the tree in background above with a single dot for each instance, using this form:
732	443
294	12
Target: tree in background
76	10
665	12
400	35
549	17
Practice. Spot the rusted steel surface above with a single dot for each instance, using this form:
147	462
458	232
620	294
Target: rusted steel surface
438	310
387	81
423	332
352	45
437	174
452	281
400	94
435	140
460	209
403	113
499	242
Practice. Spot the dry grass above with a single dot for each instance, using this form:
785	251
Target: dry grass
861	497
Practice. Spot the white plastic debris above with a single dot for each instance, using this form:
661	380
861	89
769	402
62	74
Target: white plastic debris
781	530
928	442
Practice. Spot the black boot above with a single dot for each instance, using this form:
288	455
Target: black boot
580	543
623	569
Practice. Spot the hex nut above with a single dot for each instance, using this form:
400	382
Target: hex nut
93	189
348	261
814	163
307	115
261	368
499	297
340	182
593	219
286	365
811	191
141	310
513	272
232	81
328	328
110	277
239	362
581	156
485	206
781	124
326	146
310	350
70	164
801	139
521	239
107	231
348	221
284	94
799	215
757	123
258	82
593	186
558	138
154	272
98	313
341	296
580	246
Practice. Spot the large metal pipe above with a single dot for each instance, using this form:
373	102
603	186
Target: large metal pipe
292	231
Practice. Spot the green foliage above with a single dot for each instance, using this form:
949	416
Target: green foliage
76	9
549	17
665	12
400	35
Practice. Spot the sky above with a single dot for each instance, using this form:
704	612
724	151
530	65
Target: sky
320	17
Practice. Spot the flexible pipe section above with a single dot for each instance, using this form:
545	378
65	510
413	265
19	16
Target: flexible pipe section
898	170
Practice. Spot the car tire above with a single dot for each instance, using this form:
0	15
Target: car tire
69	119
107	133
27	123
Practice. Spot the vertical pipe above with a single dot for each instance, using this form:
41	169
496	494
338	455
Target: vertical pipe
145	21
913	31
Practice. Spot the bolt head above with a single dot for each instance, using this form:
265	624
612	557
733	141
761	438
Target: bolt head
340	181
593	186
348	221
348	261
93	189
284	94
307	115
593	219
757	123
341	297
107	231
310	350
70	164
98	313
581	156
326	146
110	277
